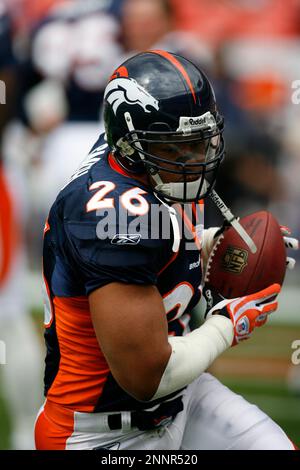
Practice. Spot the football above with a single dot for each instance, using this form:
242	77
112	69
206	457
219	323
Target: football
234	271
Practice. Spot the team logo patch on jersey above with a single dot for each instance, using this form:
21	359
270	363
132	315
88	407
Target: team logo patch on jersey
127	90
126	239
235	260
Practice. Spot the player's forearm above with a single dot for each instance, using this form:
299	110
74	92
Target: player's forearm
194	353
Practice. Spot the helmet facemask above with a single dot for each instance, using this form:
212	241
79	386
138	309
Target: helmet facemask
182	165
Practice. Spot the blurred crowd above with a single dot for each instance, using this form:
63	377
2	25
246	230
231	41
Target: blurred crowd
55	59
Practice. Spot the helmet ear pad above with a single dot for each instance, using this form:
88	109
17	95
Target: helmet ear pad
134	164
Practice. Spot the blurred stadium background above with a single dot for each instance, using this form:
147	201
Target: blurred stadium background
55	58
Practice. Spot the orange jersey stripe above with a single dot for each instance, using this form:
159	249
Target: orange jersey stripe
48	434
179	67
173	257
82	368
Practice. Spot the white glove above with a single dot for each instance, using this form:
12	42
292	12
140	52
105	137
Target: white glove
246	313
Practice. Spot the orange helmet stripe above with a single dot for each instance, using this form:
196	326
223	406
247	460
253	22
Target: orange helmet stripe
119	72
179	67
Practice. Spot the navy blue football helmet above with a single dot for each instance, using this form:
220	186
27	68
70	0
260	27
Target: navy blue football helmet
161	118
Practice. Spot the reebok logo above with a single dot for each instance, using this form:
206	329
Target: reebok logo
126	239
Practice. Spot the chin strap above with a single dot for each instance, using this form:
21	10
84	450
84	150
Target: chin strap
228	215
177	190
175	226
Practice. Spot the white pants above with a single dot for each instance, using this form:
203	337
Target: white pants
213	417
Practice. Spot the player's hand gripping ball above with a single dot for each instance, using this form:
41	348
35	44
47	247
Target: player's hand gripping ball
233	271
247	312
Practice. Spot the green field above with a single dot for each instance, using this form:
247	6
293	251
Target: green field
273	398
4	426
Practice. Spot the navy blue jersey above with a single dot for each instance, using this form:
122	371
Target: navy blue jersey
105	226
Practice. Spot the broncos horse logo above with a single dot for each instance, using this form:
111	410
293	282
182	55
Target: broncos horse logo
127	90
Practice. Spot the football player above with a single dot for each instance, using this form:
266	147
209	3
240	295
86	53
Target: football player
123	369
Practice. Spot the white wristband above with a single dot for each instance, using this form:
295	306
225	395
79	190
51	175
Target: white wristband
194	353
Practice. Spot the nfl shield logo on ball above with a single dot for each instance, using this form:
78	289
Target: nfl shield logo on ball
235	260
